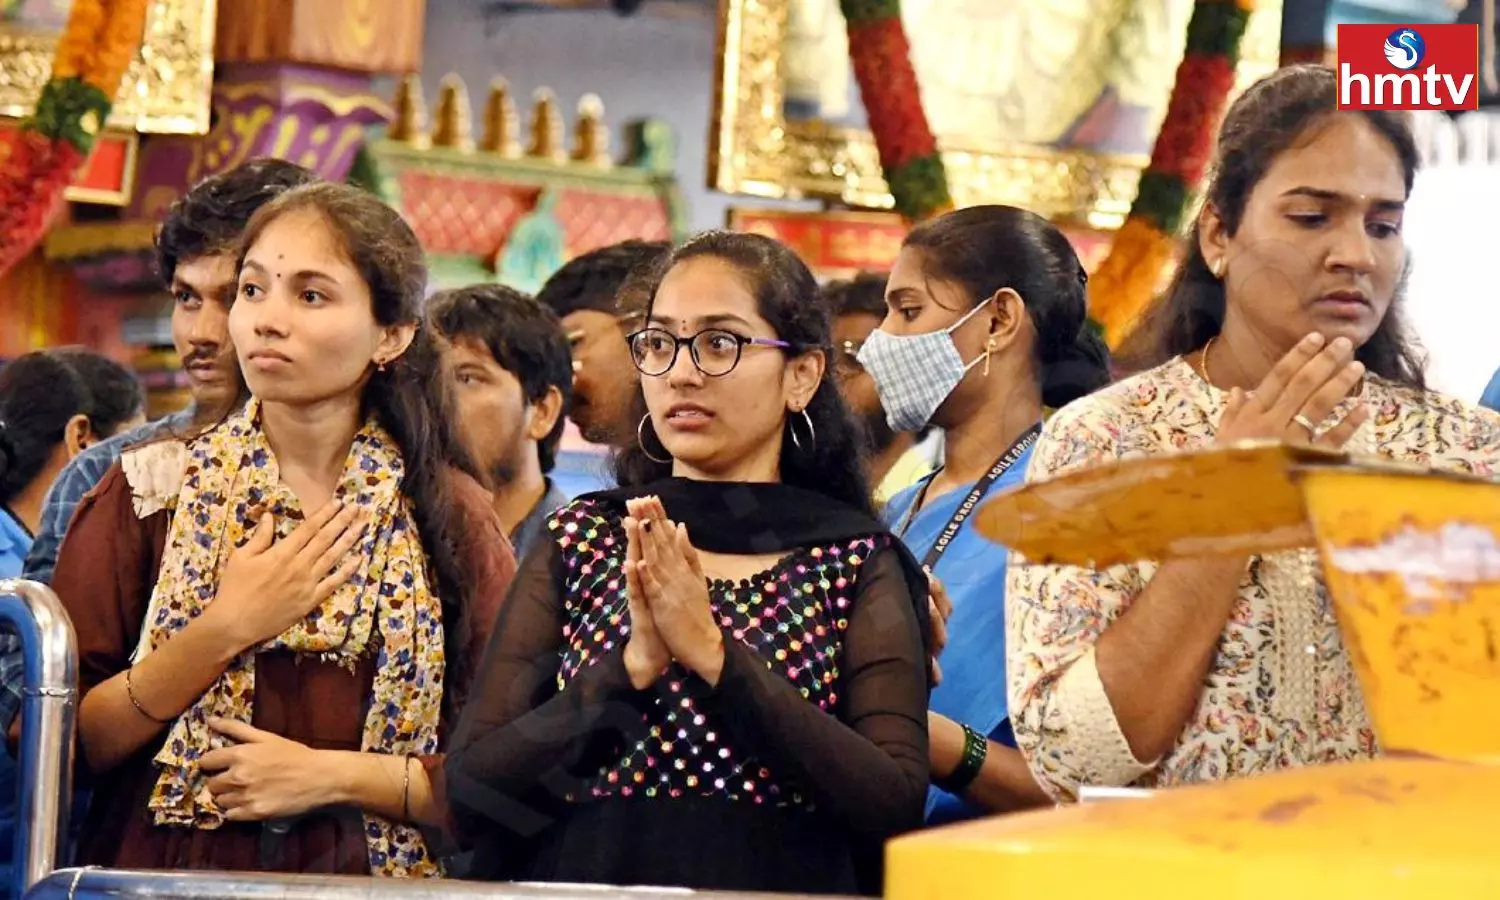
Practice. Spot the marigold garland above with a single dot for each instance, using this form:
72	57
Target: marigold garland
1144	247
909	153
95	49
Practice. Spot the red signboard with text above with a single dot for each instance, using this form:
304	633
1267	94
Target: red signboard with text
1408	67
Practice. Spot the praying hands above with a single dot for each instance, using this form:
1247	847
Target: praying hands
668	598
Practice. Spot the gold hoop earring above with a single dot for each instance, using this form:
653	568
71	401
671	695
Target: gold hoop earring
640	436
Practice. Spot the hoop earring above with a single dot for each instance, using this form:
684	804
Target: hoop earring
812	433
640	436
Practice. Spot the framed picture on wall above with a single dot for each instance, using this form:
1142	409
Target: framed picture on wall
1048	104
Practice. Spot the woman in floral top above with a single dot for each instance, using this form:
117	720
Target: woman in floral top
714	677
275	617
1283	324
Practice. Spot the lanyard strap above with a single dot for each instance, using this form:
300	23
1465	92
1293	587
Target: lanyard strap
981	487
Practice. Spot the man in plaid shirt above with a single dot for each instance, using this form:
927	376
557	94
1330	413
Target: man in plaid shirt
197	250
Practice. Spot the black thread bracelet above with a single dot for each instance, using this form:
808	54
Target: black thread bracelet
970	762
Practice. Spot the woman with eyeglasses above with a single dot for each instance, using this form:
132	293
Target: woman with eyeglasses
715	676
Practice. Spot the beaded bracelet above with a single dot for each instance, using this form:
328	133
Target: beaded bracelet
976	749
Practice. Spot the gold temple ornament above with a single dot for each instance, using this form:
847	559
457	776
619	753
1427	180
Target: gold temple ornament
546	127
409	124
166	90
452	127
590	134
501	123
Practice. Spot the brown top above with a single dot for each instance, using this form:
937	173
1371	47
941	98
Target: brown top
105	574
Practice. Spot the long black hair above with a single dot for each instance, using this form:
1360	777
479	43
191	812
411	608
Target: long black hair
1262	124
39	395
407	398
985	248
786	295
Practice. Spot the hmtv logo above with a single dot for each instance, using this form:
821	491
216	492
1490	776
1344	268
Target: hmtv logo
1408	66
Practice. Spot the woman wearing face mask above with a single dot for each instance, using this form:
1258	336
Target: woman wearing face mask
277	617
984	329
1283	324
715	676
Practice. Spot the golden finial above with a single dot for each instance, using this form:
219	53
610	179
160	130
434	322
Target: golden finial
501	124
452	128
590	134
546	127
410	124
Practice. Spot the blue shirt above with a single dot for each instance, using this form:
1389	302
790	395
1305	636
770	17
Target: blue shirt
1491	398
973	690
535	524
15	541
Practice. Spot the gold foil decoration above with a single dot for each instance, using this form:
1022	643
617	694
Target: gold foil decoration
546	127
453	126
590	134
410	122
501	123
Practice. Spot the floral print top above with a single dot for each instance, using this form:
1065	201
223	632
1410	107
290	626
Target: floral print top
229	478
1280	691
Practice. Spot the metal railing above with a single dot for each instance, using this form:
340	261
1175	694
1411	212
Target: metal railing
44	784
87	884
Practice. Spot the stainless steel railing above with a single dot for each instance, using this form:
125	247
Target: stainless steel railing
87	884
44	785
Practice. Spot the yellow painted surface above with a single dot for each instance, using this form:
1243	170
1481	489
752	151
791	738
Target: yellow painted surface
1391	828
1413	564
1231	501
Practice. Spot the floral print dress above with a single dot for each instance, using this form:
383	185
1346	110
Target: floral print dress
1280	691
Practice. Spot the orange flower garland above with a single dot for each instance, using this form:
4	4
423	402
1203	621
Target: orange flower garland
101	39
1144	248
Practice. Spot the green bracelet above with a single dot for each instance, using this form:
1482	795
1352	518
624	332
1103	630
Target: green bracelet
970	762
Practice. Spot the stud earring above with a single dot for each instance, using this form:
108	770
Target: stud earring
1218	268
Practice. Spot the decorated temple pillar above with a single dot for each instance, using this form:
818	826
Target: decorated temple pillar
292	80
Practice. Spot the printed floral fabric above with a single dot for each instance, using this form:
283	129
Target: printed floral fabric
1280	691
229	479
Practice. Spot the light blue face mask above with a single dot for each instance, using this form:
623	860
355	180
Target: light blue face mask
915	373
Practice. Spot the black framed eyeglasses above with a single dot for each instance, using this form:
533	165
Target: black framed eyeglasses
715	352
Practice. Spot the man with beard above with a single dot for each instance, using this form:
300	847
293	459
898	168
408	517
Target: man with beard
857	308
582	294
506	356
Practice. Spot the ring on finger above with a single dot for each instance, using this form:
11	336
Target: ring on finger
1305	422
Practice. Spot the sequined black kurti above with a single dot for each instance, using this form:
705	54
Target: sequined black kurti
787	776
